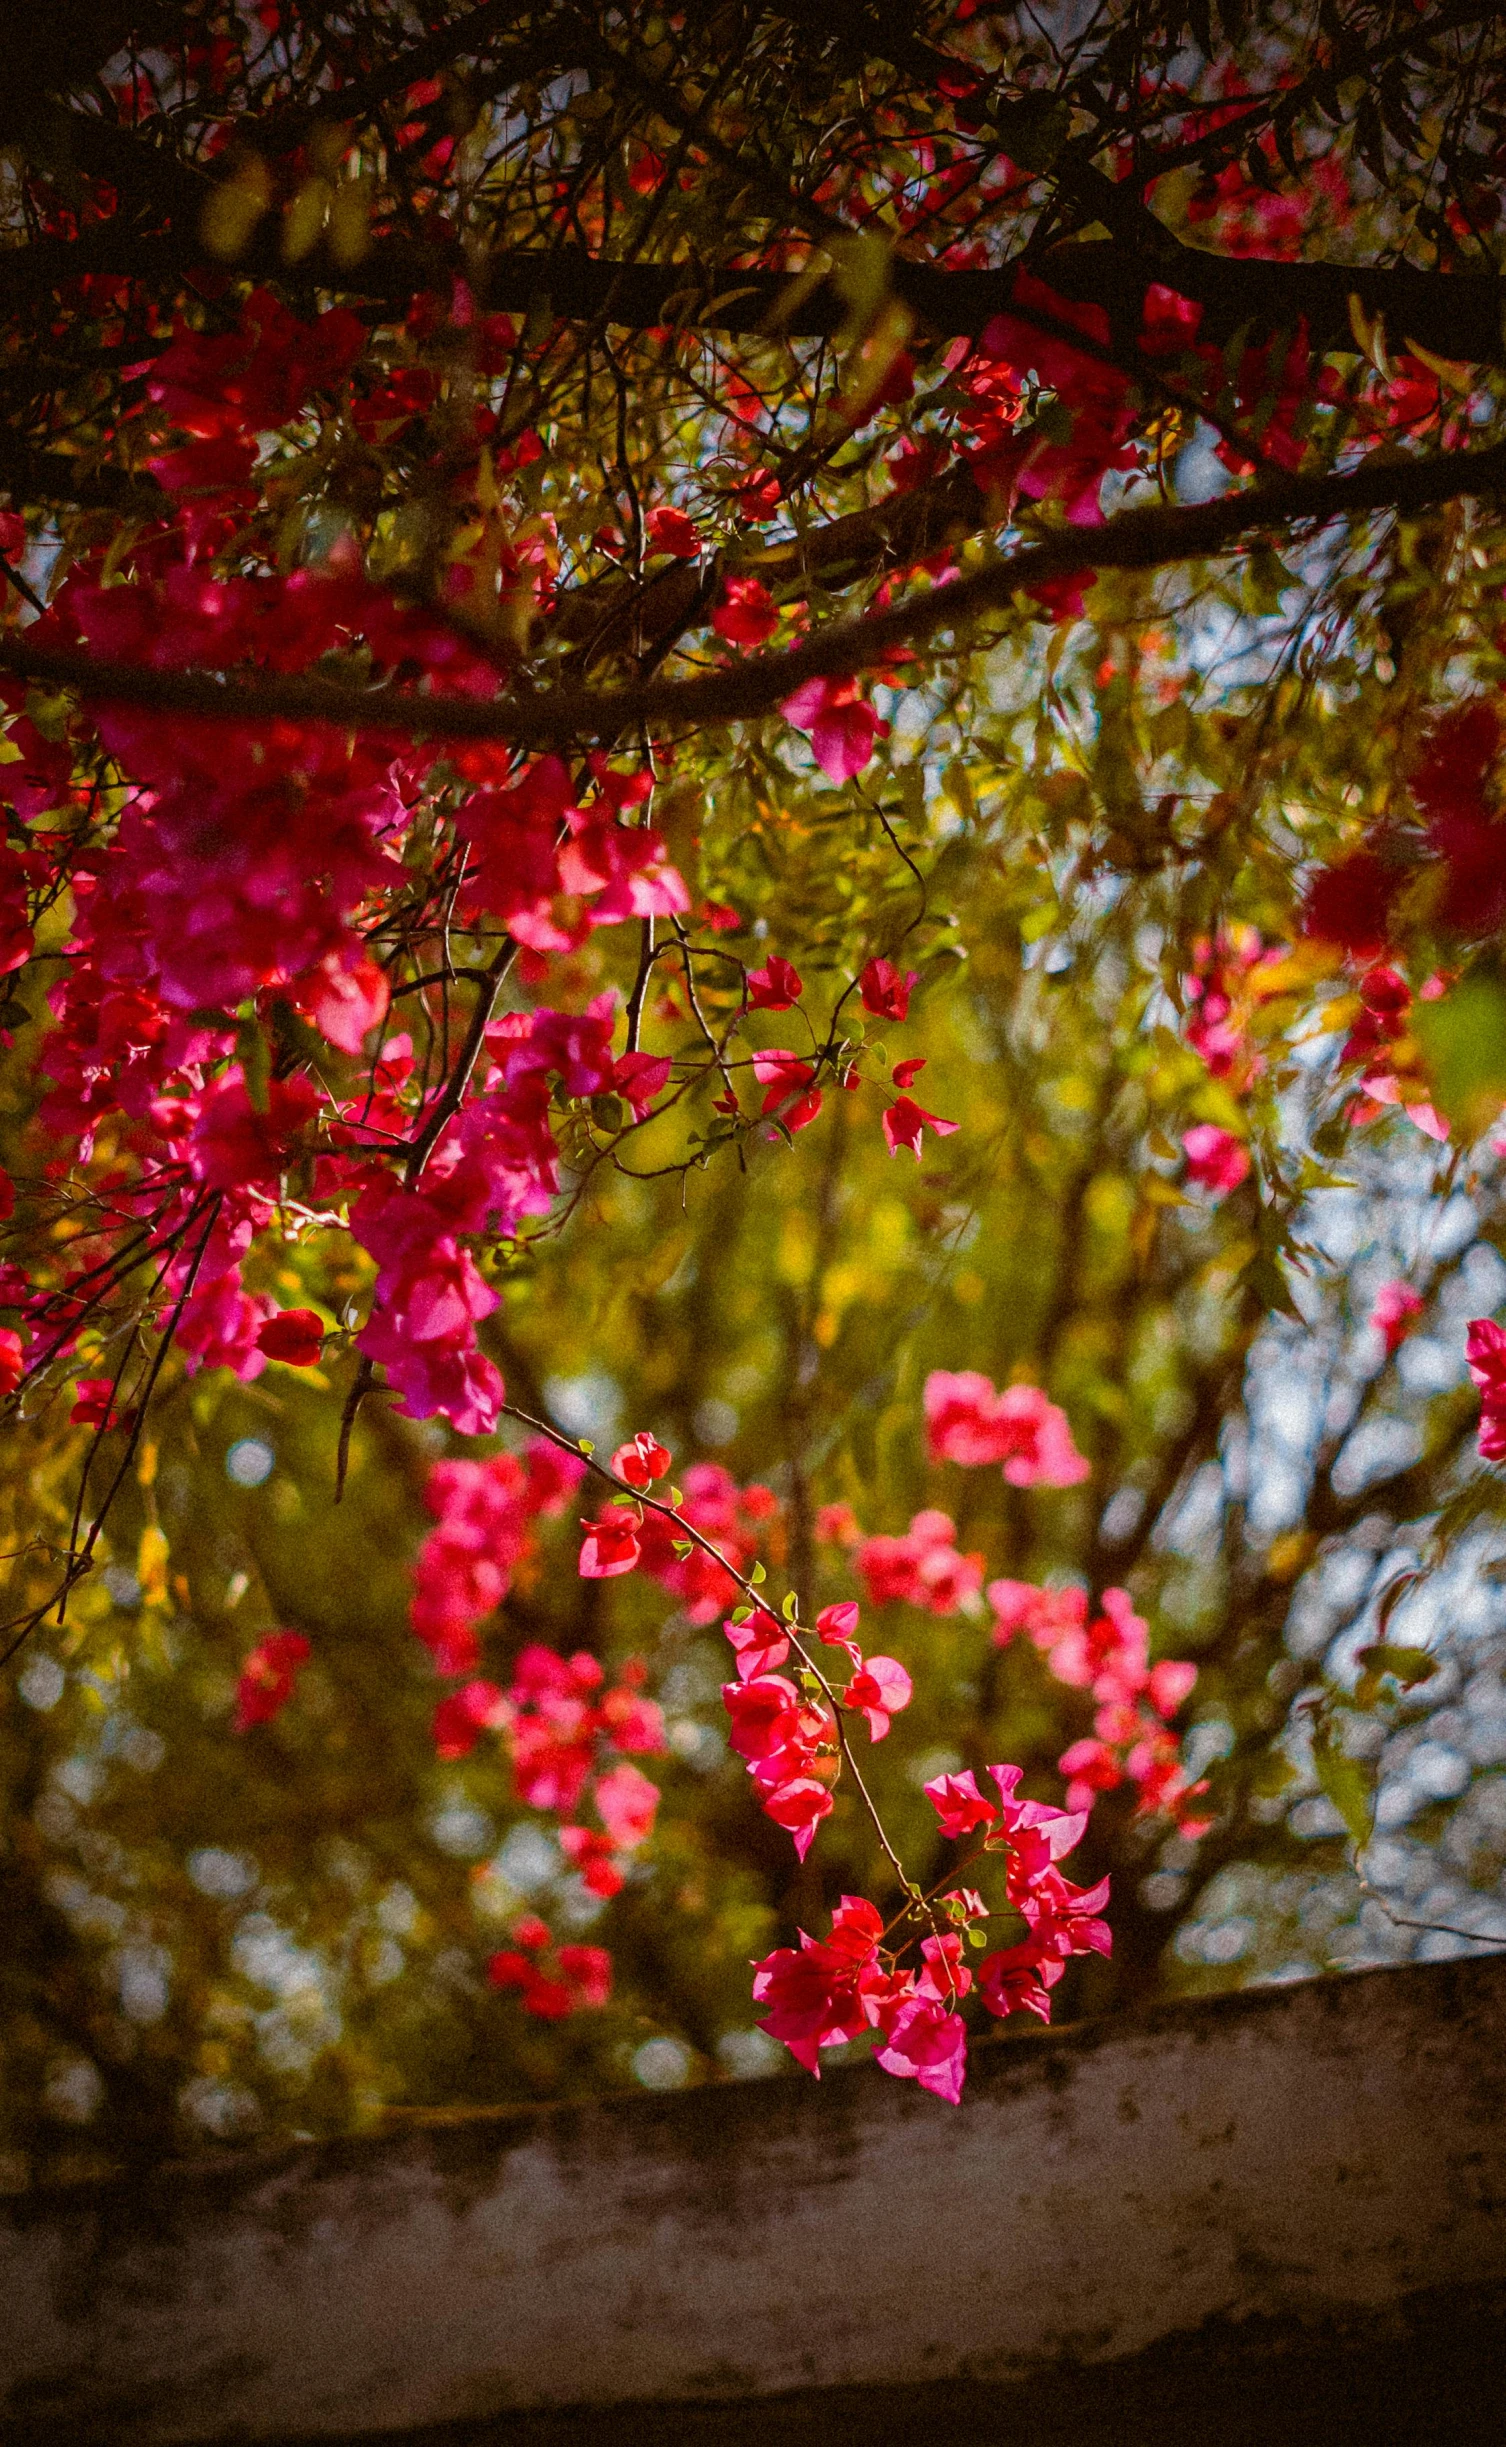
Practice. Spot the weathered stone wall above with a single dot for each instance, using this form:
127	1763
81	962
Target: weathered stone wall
1291	2166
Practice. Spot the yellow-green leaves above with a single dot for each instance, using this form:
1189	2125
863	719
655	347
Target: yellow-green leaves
1463	1039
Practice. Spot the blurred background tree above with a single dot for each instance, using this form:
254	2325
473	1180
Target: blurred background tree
1099	806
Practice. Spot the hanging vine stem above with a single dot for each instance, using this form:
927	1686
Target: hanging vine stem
751	1593
81	1559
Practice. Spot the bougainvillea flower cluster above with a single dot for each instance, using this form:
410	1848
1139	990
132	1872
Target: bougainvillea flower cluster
1109	1658
969	1421
855	1983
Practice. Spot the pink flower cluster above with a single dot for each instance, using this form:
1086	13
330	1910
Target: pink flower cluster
1218	997
711	1501
484	1512
550	1982
1379	1045
566	1729
791	1743
851	1985
968	1421
922	1568
227	914
569	1731
1108	1657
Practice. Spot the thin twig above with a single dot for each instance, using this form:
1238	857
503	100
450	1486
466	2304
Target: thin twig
754	1597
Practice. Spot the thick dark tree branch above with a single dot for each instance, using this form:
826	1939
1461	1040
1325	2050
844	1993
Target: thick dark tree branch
1456	315
1142	539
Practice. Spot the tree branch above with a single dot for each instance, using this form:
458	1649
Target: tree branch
1142	539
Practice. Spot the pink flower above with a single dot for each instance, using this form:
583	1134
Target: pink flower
1169	1684
799	1807
1396	1305
1011	1979
946	1976
593	1857
837	1525
776	987
466	1564
610	1546
838	1624
817	1996
669	530
904	1122
267	1678
926	2044
463	1715
1091	1767
959	1805
764	1713
295	1336
642	1461
878	1691
627	1804
587	1972
638	1078
1485	1351
762	1644
1216	1159
551	1476
791	1097
92	1406
582	1975
885	992
1048	1615
842	726
837	1627
346	1001
747	613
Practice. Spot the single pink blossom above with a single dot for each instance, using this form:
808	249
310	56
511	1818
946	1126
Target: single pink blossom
904	1122
1216	1159
1396	1307
842	726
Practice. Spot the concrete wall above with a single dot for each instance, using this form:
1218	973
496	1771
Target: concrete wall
1290	2163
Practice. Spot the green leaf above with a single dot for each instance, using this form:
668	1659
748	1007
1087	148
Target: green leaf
254	1055
861	277
1033	130
1273	1775
1348	1783
758	1574
1406	1665
791	1607
1463	1038
1263	579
